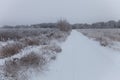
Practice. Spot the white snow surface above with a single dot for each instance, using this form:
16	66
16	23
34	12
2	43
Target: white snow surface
83	59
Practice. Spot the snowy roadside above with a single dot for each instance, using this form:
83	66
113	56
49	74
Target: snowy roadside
22	57
105	37
83	59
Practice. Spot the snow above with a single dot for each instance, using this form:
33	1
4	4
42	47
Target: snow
83	59
115	46
5	43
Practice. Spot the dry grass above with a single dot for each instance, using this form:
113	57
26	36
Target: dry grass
16	68
35	36
33	60
10	49
104	36
53	48
17	34
104	41
11	68
112	34
30	41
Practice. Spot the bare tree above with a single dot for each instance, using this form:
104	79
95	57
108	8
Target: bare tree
63	25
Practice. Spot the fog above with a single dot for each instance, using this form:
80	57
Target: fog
14	12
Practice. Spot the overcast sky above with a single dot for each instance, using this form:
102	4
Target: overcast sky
14	12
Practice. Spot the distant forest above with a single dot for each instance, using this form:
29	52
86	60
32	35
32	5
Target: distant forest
97	25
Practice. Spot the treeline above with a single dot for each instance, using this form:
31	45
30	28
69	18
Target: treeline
97	25
42	25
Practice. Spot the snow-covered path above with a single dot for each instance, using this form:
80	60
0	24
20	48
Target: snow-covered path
83	59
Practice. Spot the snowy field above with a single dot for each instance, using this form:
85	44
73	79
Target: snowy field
79	58
113	34
106	37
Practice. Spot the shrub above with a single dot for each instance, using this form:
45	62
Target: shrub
43	40
33	60
17	68
10	49
9	35
11	68
104	41
30	41
53	48
63	25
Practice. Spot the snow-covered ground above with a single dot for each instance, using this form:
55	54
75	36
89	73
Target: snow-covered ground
115	46
83	59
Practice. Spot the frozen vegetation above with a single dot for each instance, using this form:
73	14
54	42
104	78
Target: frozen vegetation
32	53
106	37
24	50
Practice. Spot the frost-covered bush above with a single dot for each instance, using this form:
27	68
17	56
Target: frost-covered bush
103	41
33	60
11	69
43	40
58	35
30	41
4	36
10	49
53	48
16	69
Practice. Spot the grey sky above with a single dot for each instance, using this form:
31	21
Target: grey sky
14	12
